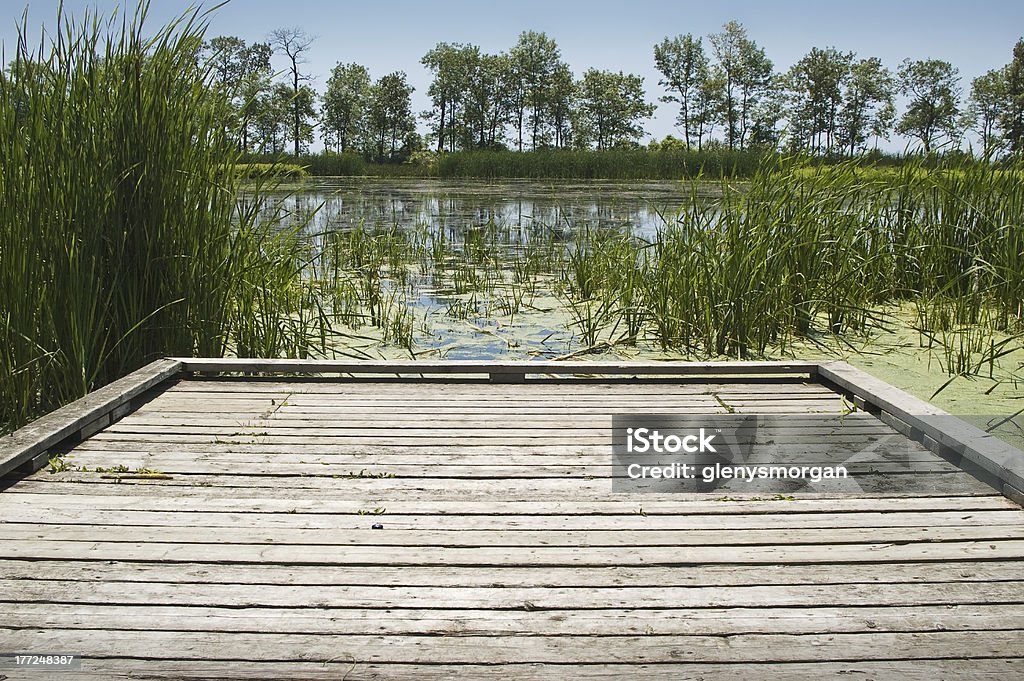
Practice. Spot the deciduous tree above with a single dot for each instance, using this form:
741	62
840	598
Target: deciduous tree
684	68
984	109
868	104
561	99
533	60
270	118
344	105
708	106
745	72
611	108
451	64
242	72
295	43
390	116
814	94
1012	117
932	85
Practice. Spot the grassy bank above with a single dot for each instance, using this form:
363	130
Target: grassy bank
122	238
329	164
639	164
619	164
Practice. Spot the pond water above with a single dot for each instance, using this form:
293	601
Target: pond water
508	218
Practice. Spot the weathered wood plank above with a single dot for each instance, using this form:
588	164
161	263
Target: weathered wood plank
431	438
746	648
447	367
785	424
593	556
441	420
526	408
344	390
767	431
908	483
906	670
369	468
980	448
510	598
417	537
947	572
618	621
213	499
452	384
779	434
495	397
543	453
511	523
413	410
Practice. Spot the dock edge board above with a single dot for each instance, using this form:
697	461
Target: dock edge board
984	455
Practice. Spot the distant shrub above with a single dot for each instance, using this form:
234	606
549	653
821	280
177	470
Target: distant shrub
668	164
252	171
330	163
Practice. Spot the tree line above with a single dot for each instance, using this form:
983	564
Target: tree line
724	88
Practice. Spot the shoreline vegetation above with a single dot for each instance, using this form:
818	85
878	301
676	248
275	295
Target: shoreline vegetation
551	164
587	164
132	227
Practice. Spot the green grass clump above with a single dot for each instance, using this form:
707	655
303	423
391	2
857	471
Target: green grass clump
287	171
123	237
327	163
802	253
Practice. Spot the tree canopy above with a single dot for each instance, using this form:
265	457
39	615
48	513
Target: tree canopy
723	88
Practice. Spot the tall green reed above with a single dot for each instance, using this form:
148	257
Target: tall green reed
122	234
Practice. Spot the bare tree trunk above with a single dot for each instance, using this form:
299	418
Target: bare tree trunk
440	127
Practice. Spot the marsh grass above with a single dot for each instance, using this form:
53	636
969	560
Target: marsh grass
803	254
290	171
122	234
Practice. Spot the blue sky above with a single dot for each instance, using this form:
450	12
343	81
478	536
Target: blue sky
389	35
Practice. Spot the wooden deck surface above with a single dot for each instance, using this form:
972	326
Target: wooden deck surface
225	530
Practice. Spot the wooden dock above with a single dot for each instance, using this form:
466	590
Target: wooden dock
246	519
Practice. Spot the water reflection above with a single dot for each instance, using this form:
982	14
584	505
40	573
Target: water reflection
438	205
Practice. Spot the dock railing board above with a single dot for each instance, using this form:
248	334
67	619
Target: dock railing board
982	454
1000	463
496	370
27	449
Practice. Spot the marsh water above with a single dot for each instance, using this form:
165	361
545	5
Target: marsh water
342	203
472	270
476	311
